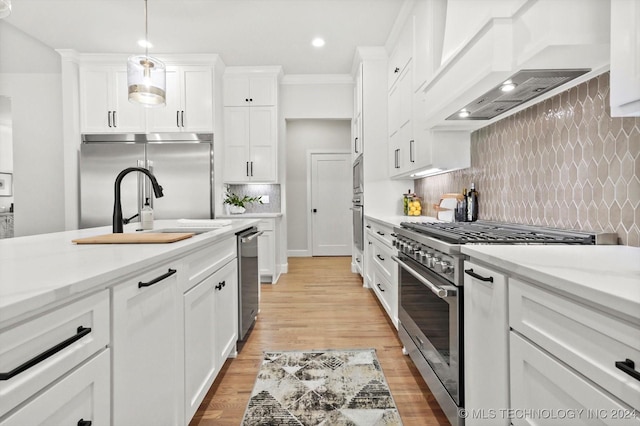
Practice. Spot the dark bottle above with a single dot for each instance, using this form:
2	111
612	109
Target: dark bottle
472	204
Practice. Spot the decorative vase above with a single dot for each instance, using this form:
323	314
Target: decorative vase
236	210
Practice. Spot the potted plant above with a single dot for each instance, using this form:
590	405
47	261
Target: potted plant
237	203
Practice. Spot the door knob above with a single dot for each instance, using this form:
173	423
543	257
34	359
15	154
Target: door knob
315	210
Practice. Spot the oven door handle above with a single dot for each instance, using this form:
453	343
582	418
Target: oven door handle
438	291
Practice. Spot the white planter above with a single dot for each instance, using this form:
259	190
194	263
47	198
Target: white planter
236	210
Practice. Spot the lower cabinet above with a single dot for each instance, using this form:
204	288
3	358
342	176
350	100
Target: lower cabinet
268	250
147	349
80	398
210	332
380	270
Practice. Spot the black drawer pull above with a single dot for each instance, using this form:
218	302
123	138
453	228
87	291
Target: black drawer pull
628	367
220	285
380	257
81	332
381	289
480	277
379	233
83	422
368	227
157	280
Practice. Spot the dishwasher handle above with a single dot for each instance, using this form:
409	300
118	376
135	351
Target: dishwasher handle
251	236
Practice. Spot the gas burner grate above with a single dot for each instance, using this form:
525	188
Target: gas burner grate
496	233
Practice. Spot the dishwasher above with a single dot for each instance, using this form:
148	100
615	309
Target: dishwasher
248	280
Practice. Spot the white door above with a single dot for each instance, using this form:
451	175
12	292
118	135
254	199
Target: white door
330	203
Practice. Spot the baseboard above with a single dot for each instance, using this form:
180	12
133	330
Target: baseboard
298	253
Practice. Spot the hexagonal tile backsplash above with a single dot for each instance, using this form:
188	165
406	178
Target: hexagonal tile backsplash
563	163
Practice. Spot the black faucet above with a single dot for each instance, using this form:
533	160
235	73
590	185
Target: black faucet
117	206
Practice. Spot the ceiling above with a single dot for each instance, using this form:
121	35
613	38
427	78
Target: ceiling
243	32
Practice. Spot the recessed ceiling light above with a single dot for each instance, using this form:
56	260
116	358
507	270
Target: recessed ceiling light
463	113
144	43
507	86
317	42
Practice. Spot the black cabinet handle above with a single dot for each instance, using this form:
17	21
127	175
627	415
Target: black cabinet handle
314	210
251	168
370	243
220	285
250	99
480	277
247	168
355	145
411	151
81	332
368	226
628	366
182	118
115	122
157	280
393	235
109	118
83	422
397	158
379	233
246	99
395	71
381	289
177	118
380	257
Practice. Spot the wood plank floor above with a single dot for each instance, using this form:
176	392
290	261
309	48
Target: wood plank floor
319	304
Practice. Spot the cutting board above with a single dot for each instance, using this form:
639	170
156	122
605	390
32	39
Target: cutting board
140	238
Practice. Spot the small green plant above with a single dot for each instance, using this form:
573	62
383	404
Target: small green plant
235	200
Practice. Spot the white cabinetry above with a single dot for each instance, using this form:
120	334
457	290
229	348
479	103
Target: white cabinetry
380	271
268	250
148	385
625	58
251	123
38	352
402	147
104	104
486	325
357	134
189	101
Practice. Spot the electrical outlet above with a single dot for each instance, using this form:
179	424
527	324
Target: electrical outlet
265	199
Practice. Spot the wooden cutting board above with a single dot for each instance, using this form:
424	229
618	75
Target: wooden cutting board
139	238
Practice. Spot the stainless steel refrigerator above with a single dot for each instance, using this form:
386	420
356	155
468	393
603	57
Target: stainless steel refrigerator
181	162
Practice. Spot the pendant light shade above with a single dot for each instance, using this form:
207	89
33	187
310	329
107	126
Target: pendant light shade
146	76
5	8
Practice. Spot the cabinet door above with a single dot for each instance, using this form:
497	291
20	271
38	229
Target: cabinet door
236	90
625	58
226	311
95	111
148	386
262	134
236	127
262	91
167	118
486	343
200	364
198	100
82	395
266	257
127	116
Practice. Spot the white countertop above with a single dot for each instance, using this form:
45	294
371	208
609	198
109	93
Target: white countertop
249	215
605	275
396	220
42	269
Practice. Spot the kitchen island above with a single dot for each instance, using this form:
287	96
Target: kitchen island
124	333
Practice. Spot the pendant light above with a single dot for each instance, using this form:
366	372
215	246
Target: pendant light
146	76
5	8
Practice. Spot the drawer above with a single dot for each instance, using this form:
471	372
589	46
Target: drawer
205	262
381	256
78	330
82	395
588	340
387	293
266	225
383	233
545	388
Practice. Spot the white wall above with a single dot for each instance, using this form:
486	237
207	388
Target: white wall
303	136
30	76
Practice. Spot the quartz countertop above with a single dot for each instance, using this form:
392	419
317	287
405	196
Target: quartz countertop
39	270
605	275
249	215
396	220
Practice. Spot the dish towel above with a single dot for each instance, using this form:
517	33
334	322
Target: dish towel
203	223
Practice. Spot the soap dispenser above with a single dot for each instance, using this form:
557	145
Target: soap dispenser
146	216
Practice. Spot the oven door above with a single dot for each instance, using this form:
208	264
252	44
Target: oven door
430	310
358	226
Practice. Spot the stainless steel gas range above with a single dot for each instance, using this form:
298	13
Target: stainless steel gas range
431	296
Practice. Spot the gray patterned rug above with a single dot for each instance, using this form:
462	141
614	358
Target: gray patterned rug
331	387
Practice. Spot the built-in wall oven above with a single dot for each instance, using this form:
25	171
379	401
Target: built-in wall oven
431	294
357	206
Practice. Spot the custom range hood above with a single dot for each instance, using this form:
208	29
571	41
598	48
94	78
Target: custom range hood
536	50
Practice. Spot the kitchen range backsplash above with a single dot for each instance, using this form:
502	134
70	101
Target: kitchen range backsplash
562	163
257	190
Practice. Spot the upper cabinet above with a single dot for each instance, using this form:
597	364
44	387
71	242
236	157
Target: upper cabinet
625	58
249	90
357	146
251	123
104	104
189	102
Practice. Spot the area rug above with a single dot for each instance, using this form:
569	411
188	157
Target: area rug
329	387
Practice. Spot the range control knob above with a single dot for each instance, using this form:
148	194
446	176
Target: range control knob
444	267
433	261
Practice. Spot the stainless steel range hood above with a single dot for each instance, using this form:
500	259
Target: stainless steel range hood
516	90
